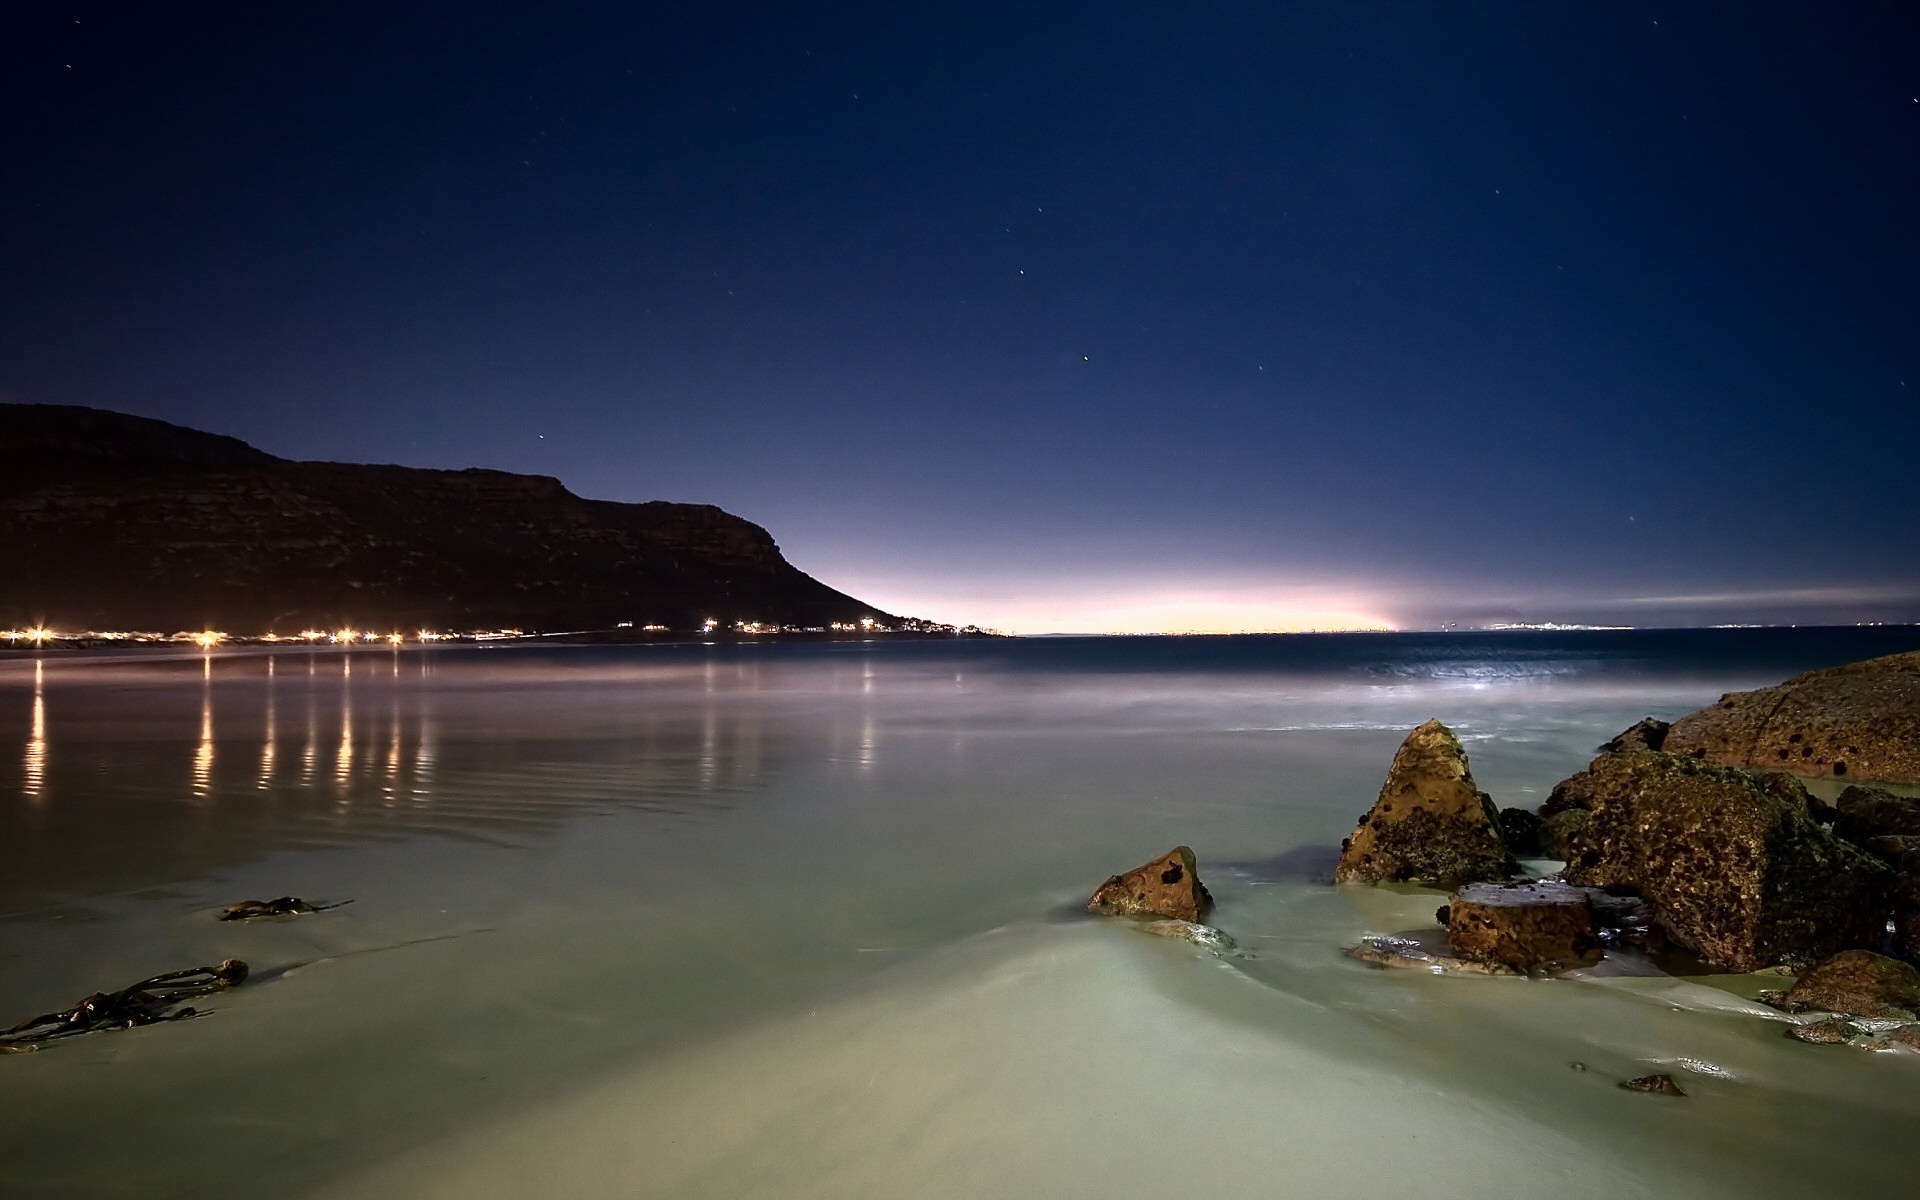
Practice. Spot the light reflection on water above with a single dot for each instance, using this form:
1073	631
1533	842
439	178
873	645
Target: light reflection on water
34	763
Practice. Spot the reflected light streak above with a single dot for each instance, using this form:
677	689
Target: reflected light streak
203	753
343	757
267	745
35	765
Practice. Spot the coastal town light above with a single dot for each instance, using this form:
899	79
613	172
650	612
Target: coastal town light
209	638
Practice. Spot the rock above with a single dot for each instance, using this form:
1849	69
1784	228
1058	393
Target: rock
1557	830
1169	886
1431	824
1520	830
1831	1032
1205	936
1524	925
1859	983
1410	953
1731	871
1904	854
1626	921
1864	813
1659	1085
1644	734
1860	721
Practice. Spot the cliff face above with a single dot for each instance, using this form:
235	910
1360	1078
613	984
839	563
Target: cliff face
110	521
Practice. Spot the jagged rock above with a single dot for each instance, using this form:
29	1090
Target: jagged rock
1858	983
1830	1032
1557	830
1520	830
1169	886
1859	721
1526	926
1408	952
1204	936
1430	824
1659	1085
1732	872
1645	734
1863	813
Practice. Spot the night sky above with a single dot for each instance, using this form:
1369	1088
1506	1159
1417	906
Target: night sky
1044	316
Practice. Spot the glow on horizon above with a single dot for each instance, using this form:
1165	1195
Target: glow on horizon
1158	612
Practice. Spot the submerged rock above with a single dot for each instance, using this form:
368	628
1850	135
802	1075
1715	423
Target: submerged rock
1205	936
1859	721
1659	1085
1907	1037
1732	871
1527	926
1431	824
1169	886
1556	831
1858	983
1645	734
1409	953
1864	813
1831	1032
1520	830
285	906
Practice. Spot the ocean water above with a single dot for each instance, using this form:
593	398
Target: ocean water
802	920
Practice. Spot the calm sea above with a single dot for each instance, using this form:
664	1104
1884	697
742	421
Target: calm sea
800	919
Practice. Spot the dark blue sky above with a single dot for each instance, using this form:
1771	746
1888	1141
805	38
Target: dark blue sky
1044	316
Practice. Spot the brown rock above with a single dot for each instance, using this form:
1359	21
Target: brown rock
1430	824
1859	983
1557	830
1659	1085
1860	721
1169	886
1644	734
1863	813
1523	925
1831	1032
1732	872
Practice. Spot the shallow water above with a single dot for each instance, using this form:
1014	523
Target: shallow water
800	920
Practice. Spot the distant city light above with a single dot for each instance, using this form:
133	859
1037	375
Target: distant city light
209	638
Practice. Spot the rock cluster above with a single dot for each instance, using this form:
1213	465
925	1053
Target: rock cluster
1859	721
1733	866
1431	824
